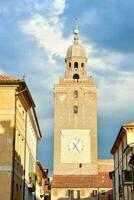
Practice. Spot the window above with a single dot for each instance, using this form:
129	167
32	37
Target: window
72	194
68	193
103	192
75	109
76	76
95	193
82	64
76	65
75	94
78	194
80	165
69	64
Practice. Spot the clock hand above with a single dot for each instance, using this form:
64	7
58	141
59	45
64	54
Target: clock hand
75	144
77	141
75	147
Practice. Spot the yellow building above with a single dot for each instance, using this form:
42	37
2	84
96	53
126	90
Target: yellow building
15	105
76	165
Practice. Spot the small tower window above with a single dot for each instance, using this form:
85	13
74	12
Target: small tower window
69	64
76	76
80	165
75	94
76	65
82	64
75	109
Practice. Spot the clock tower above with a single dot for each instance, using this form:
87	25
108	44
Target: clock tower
78	173
75	116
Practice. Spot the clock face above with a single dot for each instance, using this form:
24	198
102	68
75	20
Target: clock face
76	145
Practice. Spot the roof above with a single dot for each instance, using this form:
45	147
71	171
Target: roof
129	124
76	50
10	80
124	128
100	180
42	168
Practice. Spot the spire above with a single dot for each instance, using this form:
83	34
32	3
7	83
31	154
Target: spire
76	32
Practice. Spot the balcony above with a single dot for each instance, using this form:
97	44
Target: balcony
31	185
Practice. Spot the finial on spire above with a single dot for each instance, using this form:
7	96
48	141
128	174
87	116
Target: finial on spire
24	76
76	31
76	23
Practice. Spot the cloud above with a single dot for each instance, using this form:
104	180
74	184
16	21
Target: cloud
59	6
47	30
47	34
116	96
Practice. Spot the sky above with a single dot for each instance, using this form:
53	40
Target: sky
34	37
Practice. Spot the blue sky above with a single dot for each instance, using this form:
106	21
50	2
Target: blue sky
34	37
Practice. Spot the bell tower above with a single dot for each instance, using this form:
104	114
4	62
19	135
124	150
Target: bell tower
77	171
75	117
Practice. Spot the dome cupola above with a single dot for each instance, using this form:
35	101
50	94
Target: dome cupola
76	49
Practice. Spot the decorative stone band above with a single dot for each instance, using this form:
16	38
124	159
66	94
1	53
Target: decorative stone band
5	168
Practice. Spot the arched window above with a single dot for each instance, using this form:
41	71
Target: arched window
76	65
75	94
69	64
75	109
76	76
82	64
80	165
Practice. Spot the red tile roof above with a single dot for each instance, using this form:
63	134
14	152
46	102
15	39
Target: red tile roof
8	78
101	180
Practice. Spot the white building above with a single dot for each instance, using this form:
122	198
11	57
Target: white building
32	136
122	150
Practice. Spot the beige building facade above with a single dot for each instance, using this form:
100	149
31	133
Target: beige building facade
75	130
15	104
123	174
